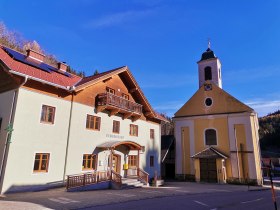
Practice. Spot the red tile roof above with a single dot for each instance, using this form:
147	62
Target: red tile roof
22	68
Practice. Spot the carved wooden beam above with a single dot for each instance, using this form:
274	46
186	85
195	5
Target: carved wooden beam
114	112
133	90
136	118
127	115
100	108
148	113
106	80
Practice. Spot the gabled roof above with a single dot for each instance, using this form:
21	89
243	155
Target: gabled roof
222	103
89	79
209	152
124	73
15	66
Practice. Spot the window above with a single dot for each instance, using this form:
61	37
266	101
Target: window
89	162
116	126
208	101
110	90
132	161
93	122
125	96
152	161
210	137
133	131
47	114
152	133
208	73
41	163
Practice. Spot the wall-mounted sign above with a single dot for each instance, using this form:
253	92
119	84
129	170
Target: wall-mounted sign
114	136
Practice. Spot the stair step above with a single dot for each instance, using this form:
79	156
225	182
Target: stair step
132	186
129	183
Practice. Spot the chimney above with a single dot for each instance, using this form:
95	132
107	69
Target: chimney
62	66
35	55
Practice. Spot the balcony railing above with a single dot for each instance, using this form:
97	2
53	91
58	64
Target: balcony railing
111	100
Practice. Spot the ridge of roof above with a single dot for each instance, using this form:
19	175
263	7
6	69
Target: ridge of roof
87	79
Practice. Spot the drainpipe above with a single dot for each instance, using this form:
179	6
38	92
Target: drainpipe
8	135
68	137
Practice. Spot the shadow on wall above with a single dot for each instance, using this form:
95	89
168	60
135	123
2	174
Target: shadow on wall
152	166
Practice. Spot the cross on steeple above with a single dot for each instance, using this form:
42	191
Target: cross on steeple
209	43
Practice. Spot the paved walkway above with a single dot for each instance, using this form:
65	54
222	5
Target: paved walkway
60	199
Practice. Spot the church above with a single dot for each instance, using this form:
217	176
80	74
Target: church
216	134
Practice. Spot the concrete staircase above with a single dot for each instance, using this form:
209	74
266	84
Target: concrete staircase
131	182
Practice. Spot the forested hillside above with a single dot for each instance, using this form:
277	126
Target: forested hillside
270	132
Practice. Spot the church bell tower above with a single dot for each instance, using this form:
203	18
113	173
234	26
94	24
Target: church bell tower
209	68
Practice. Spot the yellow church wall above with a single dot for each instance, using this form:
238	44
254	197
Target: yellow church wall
220	175
186	159
254	123
197	170
240	135
220	125
228	168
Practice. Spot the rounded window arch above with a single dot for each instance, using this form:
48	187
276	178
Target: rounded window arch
208	73
210	137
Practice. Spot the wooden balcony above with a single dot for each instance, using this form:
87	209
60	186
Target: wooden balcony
116	104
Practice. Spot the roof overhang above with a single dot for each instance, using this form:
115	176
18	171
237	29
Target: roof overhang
113	144
208	153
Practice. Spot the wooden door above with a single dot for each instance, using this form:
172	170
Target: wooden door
116	163
208	170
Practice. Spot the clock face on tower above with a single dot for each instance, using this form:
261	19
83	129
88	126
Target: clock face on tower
207	87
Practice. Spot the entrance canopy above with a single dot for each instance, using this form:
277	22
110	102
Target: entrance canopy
208	153
113	144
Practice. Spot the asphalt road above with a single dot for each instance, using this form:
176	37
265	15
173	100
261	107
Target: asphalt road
173	196
245	200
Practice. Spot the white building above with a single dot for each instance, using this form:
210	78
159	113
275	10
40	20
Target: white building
54	124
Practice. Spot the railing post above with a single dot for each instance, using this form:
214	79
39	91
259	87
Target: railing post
67	184
84	181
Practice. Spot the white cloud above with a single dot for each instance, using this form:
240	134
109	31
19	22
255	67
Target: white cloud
119	18
169	108
264	106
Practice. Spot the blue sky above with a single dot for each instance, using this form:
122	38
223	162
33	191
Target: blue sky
161	41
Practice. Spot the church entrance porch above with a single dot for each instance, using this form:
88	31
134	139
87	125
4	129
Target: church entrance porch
208	170
210	166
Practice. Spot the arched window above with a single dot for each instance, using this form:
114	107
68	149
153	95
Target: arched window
208	73
210	137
